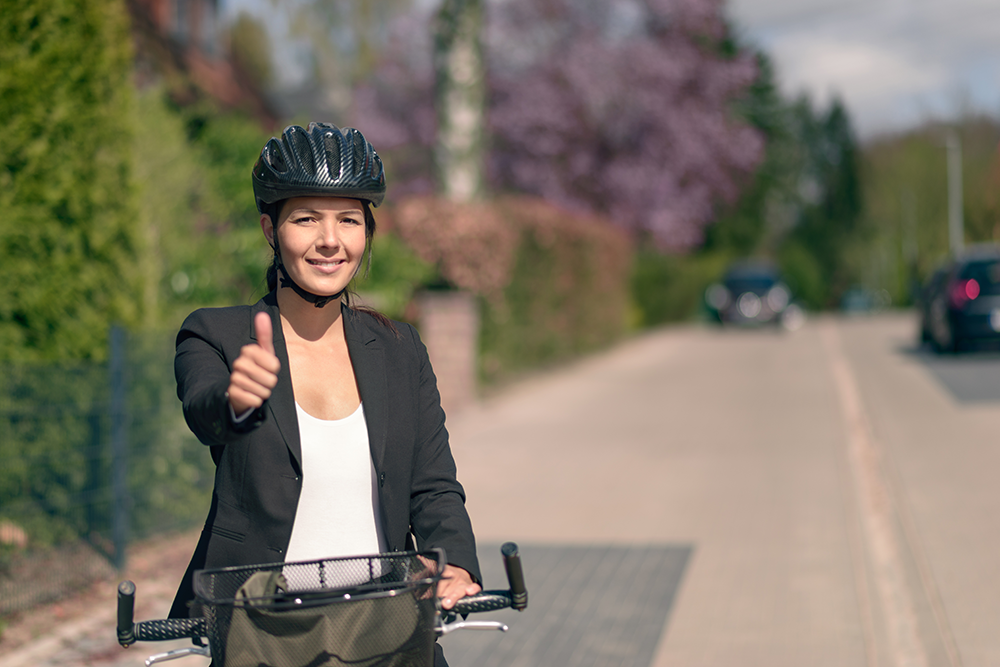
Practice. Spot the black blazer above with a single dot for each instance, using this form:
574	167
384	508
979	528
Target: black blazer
258	474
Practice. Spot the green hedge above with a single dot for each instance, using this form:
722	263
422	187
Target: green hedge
57	491
568	292
671	288
68	237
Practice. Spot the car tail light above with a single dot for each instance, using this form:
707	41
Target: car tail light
963	292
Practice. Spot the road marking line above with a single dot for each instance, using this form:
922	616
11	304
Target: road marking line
877	514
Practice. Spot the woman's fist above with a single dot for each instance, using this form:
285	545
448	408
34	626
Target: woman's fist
255	371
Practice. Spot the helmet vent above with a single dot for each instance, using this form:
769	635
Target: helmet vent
331	148
275	157
302	150
360	164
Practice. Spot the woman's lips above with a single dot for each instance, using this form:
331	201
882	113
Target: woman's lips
325	265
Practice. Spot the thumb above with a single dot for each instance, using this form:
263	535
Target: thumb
263	328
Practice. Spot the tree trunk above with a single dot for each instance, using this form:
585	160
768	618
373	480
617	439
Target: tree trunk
460	71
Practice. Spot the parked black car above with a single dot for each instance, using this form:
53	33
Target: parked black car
925	297
960	303
753	293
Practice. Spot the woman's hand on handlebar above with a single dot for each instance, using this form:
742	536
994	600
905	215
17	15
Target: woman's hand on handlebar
455	584
255	371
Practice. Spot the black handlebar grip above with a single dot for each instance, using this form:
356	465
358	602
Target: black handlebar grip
126	609
515	576
170	628
480	602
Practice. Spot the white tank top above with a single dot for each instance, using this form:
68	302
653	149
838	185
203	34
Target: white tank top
338	509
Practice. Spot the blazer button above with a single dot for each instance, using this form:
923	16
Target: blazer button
381	479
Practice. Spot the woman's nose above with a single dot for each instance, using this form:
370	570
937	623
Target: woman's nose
329	235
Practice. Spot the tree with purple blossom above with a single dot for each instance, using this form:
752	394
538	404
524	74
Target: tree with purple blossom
622	108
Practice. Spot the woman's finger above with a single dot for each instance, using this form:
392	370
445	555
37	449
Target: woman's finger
455	584
264	331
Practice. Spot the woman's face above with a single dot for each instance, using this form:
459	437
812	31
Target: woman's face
322	241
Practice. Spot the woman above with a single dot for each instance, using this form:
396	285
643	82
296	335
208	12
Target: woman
324	420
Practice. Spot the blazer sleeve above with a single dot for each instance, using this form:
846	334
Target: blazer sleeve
202	365
437	500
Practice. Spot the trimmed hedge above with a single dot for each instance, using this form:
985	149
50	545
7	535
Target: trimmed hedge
670	288
568	292
68	236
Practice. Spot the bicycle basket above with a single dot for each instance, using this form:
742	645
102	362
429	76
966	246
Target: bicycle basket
369	611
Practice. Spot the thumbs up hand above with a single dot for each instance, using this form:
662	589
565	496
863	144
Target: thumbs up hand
255	371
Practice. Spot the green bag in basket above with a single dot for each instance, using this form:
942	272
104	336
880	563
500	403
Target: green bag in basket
273	627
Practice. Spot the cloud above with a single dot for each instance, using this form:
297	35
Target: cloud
877	83
893	62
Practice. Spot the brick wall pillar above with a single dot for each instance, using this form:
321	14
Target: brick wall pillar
449	327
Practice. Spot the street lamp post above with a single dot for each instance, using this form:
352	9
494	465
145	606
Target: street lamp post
956	230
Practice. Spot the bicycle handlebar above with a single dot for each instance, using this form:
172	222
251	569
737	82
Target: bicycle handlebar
130	632
484	601
151	631
126	611
515	576
515	598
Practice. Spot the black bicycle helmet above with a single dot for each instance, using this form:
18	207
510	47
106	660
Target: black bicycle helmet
319	160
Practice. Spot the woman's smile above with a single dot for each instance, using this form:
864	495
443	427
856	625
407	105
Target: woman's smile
326	265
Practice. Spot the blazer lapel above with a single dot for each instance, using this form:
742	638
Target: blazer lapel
282	401
368	358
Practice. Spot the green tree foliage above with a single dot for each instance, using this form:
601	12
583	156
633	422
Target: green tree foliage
251	47
829	227
68	237
906	196
202	243
758	220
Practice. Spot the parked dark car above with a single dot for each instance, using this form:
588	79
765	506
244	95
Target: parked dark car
960	304
925	297
753	293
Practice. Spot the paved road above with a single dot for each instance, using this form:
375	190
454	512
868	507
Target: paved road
699	497
834	487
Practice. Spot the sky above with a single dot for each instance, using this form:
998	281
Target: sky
894	63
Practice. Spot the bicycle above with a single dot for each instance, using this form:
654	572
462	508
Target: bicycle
369	611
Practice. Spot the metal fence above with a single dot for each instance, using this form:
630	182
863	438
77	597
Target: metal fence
93	456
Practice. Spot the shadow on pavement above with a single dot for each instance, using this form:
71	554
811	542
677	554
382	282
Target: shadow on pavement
587	606
970	376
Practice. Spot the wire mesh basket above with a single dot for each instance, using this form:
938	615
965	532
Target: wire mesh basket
370	611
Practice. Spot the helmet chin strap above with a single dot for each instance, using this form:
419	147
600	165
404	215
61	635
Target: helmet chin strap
315	299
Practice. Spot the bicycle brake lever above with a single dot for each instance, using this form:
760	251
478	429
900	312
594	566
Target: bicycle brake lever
177	653
471	625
